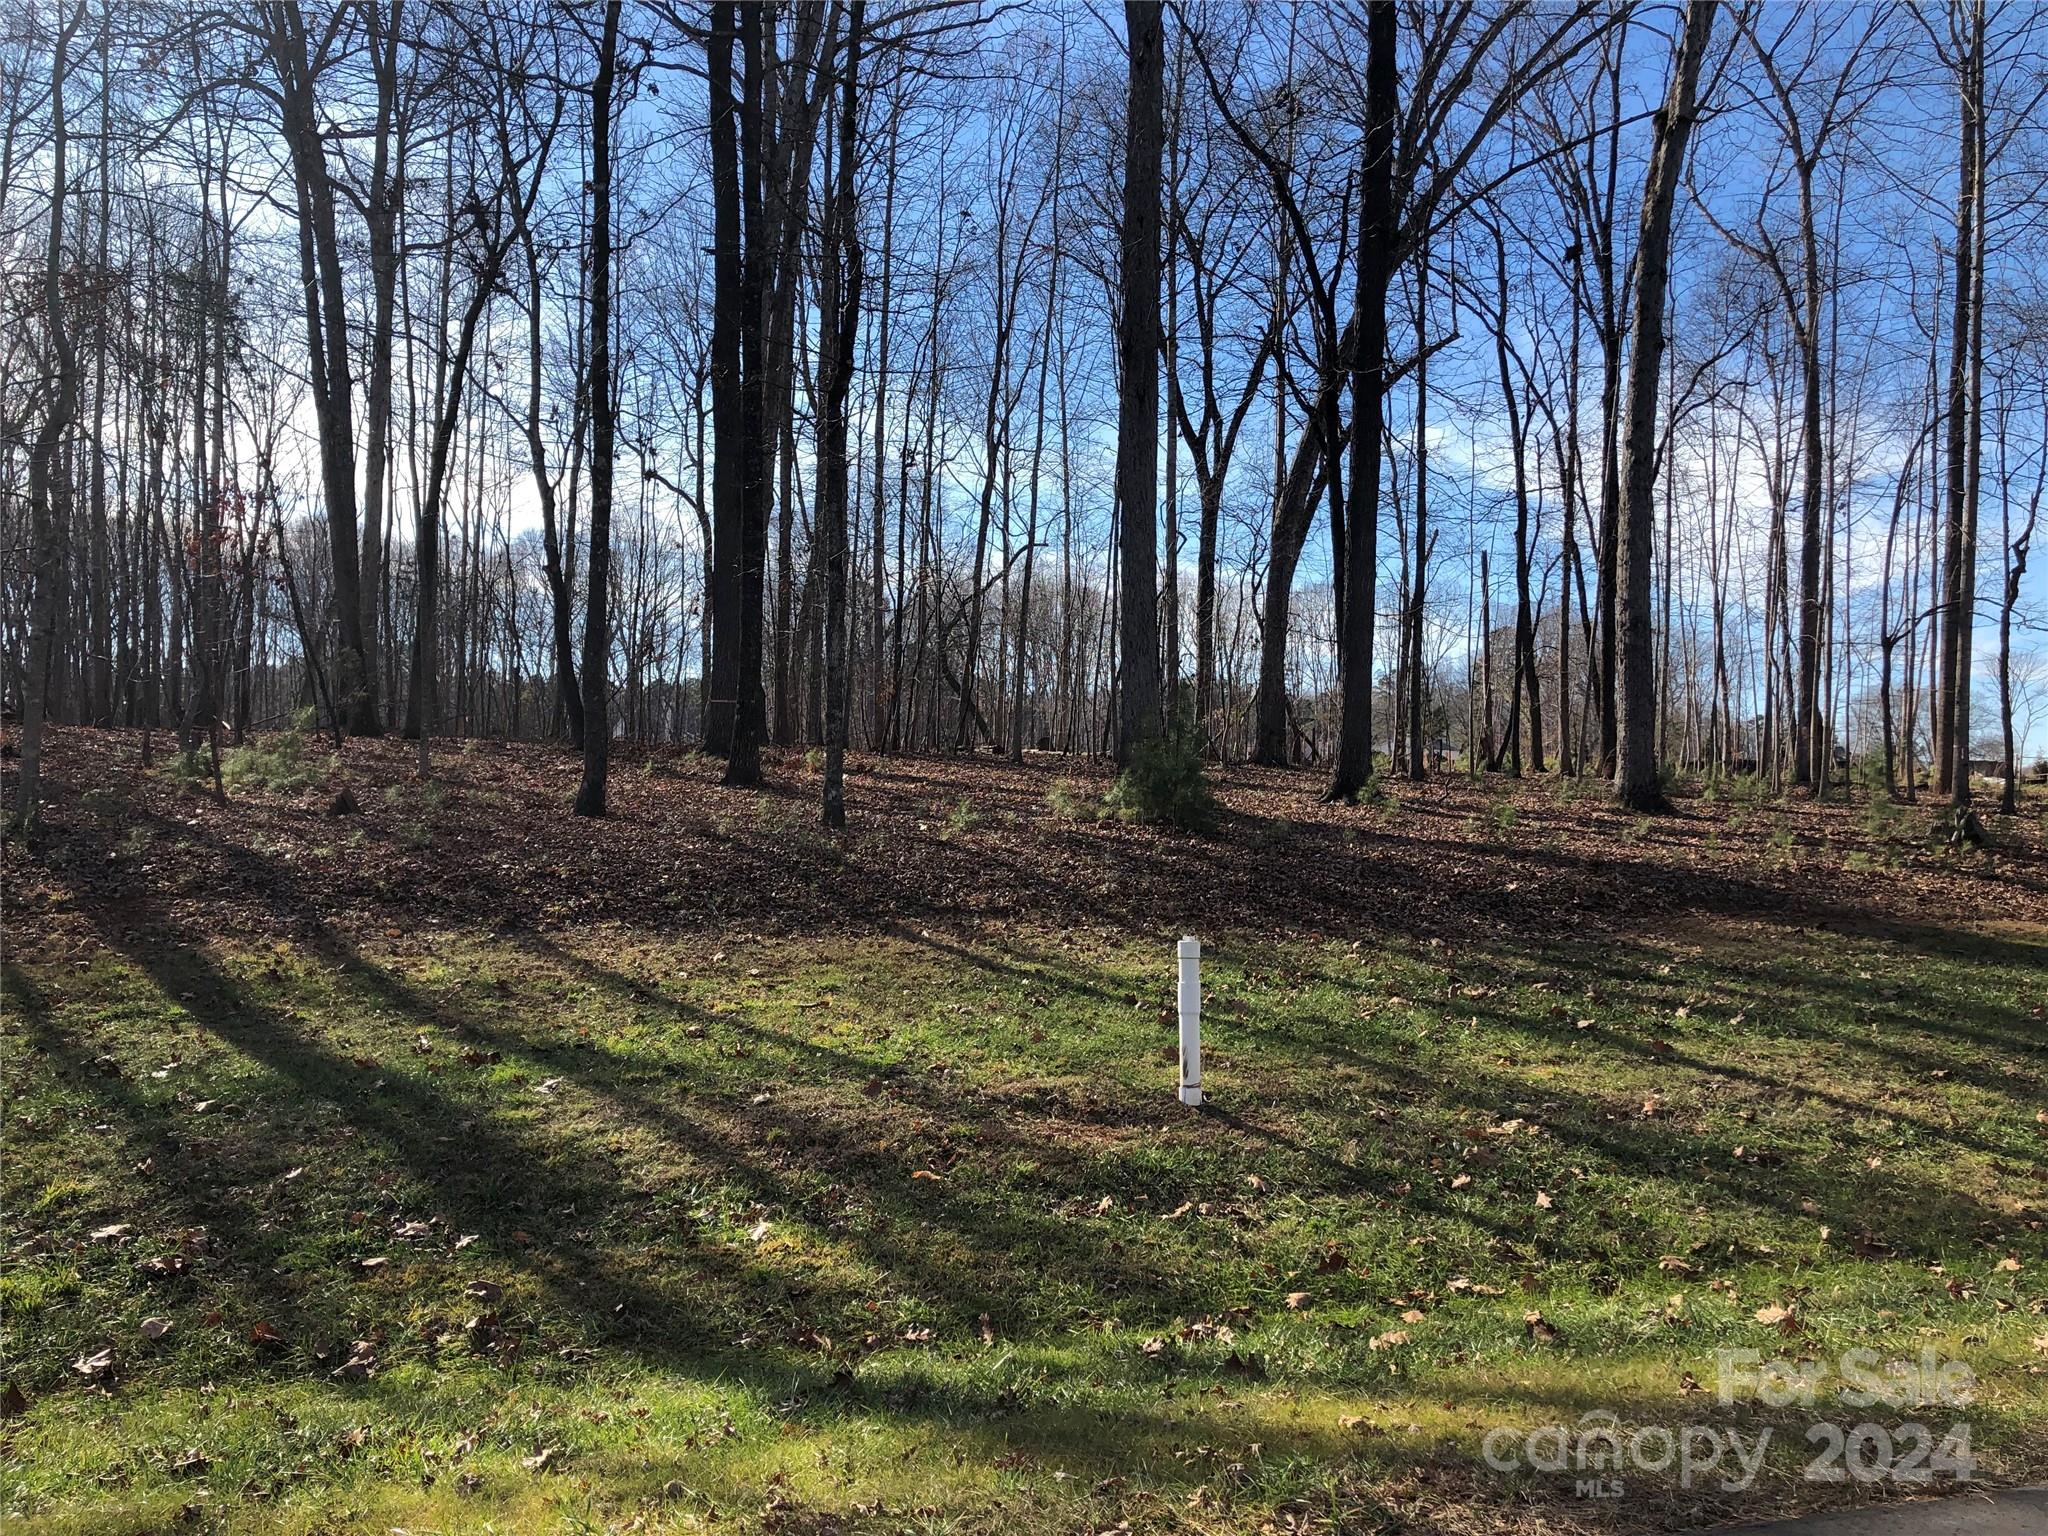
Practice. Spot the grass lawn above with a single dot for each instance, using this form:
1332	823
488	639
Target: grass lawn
419	1223
911	1230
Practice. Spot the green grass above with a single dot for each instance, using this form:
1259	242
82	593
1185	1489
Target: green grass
910	1233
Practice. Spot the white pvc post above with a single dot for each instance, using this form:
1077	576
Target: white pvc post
1191	1021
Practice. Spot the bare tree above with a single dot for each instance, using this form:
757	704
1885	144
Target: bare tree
842	332
48	490
298	58
597	639
1137	425
1636	782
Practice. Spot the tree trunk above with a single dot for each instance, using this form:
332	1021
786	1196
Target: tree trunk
327	345
1376	230
48	490
560	599
1137	432
841	321
1419	585
381	218
727	514
1636	782
750	704
1951	725
597	731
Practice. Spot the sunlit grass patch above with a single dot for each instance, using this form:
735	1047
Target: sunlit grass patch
617	1226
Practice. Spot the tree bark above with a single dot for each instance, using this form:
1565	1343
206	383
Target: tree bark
1951	723
1376	233
49	491
842	328
1137	434
597	731
727	425
327	345
1636	783
386	189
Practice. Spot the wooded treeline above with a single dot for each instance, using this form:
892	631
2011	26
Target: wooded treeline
1598	388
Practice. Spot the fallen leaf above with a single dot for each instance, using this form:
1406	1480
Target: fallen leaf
360	1364
155	1327
1473	1287
92	1367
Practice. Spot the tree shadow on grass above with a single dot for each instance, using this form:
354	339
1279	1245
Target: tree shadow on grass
498	1178
865	1225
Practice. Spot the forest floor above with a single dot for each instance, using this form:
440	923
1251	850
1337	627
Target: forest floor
459	1165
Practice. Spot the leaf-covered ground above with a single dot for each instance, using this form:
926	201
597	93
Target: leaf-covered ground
455	1165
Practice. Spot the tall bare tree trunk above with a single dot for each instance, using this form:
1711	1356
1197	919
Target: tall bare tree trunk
1423	538
841	321
757	423
387	181
1958	597
48	489
727	421
1635	781
877	553
597	730
1052	292
1376	230
568	700
99	692
1137	431
327	346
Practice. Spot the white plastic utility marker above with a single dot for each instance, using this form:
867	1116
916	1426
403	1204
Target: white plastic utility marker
1191	1021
